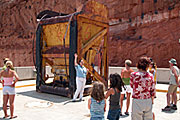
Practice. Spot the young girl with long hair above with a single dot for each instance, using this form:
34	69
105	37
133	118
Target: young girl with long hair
116	85
97	102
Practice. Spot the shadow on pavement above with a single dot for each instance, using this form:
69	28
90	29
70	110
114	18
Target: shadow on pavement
5	119
44	96
171	111
1	108
124	116
73	101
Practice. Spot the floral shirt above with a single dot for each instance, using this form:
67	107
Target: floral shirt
143	85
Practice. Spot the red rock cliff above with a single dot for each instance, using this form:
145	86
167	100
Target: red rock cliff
137	28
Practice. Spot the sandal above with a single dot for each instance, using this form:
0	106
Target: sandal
167	108
13	117
5	116
120	114
126	113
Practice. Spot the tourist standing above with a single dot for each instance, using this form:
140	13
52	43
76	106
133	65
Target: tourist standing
81	72
173	84
125	74
153	70
143	91
9	88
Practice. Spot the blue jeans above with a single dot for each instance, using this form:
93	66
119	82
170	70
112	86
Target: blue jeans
114	114
97	118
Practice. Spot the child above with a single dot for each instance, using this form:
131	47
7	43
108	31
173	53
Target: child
97	102
116	84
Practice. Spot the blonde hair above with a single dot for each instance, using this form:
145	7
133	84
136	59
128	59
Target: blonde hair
9	63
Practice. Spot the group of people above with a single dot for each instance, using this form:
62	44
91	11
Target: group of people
141	84
8	79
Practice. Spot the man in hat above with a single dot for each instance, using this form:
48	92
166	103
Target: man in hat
173	84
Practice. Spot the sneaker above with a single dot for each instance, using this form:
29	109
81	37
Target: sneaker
174	107
167	108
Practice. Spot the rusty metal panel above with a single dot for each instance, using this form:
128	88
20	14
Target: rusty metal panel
95	11
53	34
87	29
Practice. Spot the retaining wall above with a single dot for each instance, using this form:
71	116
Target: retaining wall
30	72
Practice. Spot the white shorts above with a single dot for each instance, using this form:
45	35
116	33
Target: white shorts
7	90
128	89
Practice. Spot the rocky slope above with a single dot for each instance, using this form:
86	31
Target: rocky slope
137	28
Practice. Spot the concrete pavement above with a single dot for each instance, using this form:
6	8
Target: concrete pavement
30	105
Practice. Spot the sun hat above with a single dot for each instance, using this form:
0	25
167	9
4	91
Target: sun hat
128	62
173	61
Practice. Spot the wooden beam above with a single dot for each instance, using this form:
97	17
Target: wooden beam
90	56
94	73
93	41
49	62
105	57
55	55
85	19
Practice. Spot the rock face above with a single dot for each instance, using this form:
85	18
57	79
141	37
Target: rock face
137	28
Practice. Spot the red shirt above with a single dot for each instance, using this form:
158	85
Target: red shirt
143	85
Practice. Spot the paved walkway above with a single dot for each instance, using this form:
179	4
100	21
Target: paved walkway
30	105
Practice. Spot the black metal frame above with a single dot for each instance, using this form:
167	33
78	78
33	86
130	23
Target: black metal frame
40	86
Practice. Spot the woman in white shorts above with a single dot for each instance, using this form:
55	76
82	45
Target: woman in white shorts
9	88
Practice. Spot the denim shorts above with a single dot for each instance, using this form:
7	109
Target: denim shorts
114	114
97	118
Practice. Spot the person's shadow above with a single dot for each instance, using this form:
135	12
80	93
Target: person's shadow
124	116
73	101
171	111
1	108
